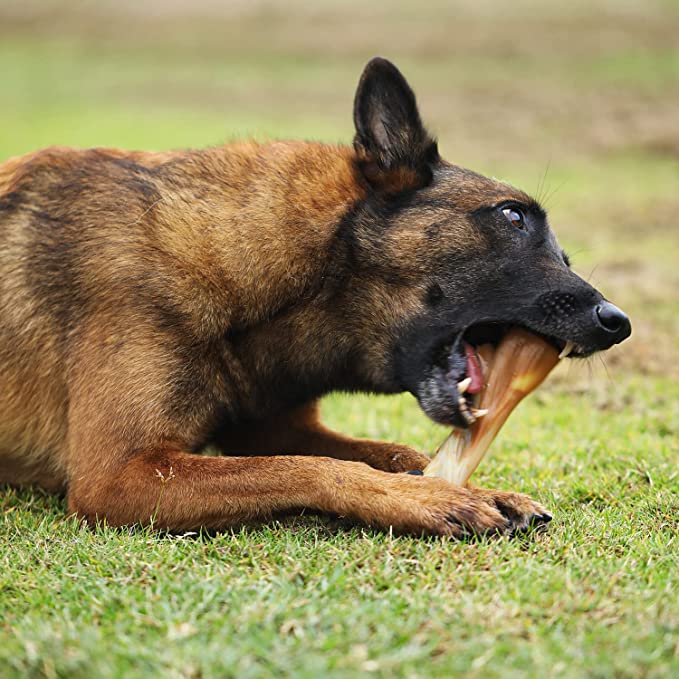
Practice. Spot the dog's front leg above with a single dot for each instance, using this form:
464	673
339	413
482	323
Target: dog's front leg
134	474
300	432
170	489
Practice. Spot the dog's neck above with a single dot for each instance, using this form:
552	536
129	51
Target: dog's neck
260	218
261	228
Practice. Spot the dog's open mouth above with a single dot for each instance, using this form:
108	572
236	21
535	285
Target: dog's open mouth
462	369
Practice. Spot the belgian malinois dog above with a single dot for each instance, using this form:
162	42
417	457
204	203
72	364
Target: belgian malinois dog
155	304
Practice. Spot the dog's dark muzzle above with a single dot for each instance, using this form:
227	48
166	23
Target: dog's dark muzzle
583	317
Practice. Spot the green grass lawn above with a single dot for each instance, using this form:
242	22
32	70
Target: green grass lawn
597	594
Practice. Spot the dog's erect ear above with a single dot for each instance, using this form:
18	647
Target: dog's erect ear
396	152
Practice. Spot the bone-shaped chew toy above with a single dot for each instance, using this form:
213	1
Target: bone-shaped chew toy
516	367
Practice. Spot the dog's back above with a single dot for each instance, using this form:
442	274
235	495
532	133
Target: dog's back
131	237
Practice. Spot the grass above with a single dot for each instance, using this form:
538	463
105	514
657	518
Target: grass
311	596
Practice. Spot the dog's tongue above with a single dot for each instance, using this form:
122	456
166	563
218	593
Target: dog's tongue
473	369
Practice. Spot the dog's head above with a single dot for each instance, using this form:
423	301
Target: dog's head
446	259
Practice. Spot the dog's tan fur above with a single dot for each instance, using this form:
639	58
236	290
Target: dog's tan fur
155	303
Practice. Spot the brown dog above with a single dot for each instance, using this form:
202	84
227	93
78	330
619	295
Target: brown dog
152	304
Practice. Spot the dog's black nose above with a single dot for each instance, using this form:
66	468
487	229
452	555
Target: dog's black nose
614	321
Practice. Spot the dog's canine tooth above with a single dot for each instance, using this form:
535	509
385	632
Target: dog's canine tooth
479	412
567	349
464	384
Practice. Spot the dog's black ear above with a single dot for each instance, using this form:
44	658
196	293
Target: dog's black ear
395	151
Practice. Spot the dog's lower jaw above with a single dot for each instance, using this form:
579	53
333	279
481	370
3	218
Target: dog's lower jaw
440	398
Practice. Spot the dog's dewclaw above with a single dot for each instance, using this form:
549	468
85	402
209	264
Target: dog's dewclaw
516	367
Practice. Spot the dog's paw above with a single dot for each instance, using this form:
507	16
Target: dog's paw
431	506
395	458
521	511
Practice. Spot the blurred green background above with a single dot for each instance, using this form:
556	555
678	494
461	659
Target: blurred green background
577	101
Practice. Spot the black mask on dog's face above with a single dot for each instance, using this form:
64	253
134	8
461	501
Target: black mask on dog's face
478	255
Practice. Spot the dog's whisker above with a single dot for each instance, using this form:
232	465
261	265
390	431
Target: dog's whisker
552	192
542	182
603	363
592	272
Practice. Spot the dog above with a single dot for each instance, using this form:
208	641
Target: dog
156	304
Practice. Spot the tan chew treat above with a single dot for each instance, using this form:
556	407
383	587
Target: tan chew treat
520	363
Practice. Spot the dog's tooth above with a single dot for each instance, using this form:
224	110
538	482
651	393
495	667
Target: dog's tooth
479	412
567	349
466	413
463	385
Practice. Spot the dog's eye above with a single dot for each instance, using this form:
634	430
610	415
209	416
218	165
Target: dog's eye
515	217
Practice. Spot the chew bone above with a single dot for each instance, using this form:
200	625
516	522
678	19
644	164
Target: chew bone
520	363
